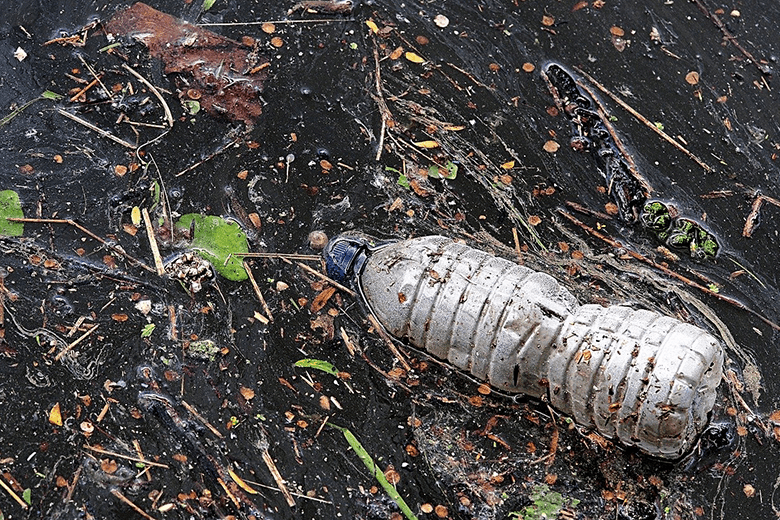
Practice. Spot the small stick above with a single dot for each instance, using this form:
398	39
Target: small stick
83	90
517	245
208	158
229	493
687	281
202	419
618	142
380	101
96	129
137	446
389	342
269	462
79	340
288	256
301	495
168	115
13	494
582	209
347	342
470	76
313	20
81	228
94	75
326	278
257	291
751	222
644	120
103	412
72	485
127	501
764	69
127	457
158	263
174	333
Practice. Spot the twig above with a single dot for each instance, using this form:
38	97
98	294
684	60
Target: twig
168	115
269	462
208	158
137	446
72	485
127	457
327	279
257	291
158	263
81	228
13	494
389	342
764	69
83	90
687	281
129	502
288	256
96	129
313	20
229	493
469	75
300	495
583	209
644	120
95	75
202	419
79	340
618	142
517	245
751	222
380	101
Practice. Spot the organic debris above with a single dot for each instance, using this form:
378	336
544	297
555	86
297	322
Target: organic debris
227	76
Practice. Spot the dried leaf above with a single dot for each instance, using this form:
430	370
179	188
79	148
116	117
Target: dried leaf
414	58
55	415
135	216
243	485
319	302
508	165
396	53
692	77
246	393
427	144
371	25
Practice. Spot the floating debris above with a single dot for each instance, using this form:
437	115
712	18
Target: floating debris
228	74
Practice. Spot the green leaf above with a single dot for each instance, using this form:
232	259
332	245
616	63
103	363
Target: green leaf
361	452
10	207
318	364
433	172
48	94
216	238
192	106
403	180
451	170
208	4
147	330
27	496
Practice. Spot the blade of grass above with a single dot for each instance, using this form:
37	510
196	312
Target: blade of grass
361	452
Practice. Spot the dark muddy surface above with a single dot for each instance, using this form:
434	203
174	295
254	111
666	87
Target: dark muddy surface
311	162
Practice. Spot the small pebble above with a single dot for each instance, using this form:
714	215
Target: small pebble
318	240
441	21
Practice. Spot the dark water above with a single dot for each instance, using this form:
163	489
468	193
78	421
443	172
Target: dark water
320	103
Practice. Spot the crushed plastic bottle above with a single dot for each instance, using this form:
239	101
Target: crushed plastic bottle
636	376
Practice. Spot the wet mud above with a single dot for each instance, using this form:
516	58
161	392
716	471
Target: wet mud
434	118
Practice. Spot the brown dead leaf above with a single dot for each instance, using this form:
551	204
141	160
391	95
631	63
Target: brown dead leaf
692	78
508	165
396	53
534	220
243	485
321	299
109	466
324	322
55	415
246	393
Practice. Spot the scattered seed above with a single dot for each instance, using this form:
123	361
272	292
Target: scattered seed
692	77
551	146
617	31
422	40
529	67
268	28
120	170
414	58
277	42
441	21
534	220
548	21
396	53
